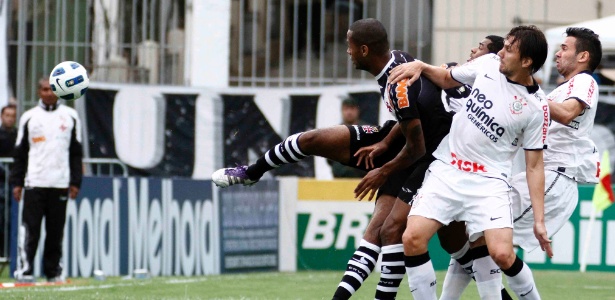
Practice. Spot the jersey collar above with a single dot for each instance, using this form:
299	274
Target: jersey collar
48	107
531	89
588	72
386	67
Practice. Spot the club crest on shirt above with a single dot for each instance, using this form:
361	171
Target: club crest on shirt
516	107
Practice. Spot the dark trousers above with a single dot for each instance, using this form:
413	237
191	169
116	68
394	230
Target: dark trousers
38	203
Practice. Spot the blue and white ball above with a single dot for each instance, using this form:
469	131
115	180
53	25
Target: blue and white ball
69	80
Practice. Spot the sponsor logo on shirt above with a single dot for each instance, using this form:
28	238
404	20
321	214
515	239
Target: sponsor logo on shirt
477	107
570	86
401	91
545	122
590	93
468	166
38	139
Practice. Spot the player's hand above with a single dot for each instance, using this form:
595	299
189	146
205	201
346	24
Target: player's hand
540	231
368	153
411	70
73	191
17	192
370	183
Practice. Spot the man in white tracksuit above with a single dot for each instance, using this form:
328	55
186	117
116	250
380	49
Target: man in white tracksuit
48	164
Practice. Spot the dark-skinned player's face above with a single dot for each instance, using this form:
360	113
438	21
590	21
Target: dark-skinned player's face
355	52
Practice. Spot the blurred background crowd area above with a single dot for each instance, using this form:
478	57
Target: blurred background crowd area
239	45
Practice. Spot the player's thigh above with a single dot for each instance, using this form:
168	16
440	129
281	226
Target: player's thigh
331	142
419	230
453	236
486	205
383	207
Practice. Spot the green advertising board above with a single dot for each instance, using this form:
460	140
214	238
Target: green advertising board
329	231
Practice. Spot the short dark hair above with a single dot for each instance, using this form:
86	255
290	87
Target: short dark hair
587	40
9	106
350	102
370	32
532	44
497	43
42	79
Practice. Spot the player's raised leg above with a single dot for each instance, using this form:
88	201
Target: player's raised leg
332	142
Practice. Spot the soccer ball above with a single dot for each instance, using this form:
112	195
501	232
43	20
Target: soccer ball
69	80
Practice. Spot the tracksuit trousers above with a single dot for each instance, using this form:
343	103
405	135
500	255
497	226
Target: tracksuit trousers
49	203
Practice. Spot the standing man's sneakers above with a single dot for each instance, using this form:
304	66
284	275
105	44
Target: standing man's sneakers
25	279
57	279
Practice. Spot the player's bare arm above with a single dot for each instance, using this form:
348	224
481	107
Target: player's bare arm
367	154
536	183
412	151
566	111
412	70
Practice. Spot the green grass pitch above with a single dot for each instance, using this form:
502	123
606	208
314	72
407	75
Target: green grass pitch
301	285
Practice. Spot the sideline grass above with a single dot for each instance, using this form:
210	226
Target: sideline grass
302	285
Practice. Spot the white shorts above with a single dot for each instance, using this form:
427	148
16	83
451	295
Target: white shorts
450	195
561	198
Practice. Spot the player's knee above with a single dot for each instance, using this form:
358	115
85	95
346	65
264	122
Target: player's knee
414	243
308	139
391	232
502	256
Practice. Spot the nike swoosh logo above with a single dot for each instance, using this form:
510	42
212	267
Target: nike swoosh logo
486	76
362	260
58	82
493	219
523	295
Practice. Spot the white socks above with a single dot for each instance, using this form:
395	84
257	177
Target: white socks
421	277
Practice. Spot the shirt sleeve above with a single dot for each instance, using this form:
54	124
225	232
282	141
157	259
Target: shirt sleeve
467	73
584	88
403	98
535	134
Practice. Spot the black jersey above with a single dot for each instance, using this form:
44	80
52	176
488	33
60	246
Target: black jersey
421	100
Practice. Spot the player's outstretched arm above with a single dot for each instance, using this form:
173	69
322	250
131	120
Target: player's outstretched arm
535	174
412	70
566	111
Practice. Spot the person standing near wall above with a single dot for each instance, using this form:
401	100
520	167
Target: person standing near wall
48	166
351	115
8	134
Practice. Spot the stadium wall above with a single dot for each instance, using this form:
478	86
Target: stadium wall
186	227
190	132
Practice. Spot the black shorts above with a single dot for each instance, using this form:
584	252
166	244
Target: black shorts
415	179
367	135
